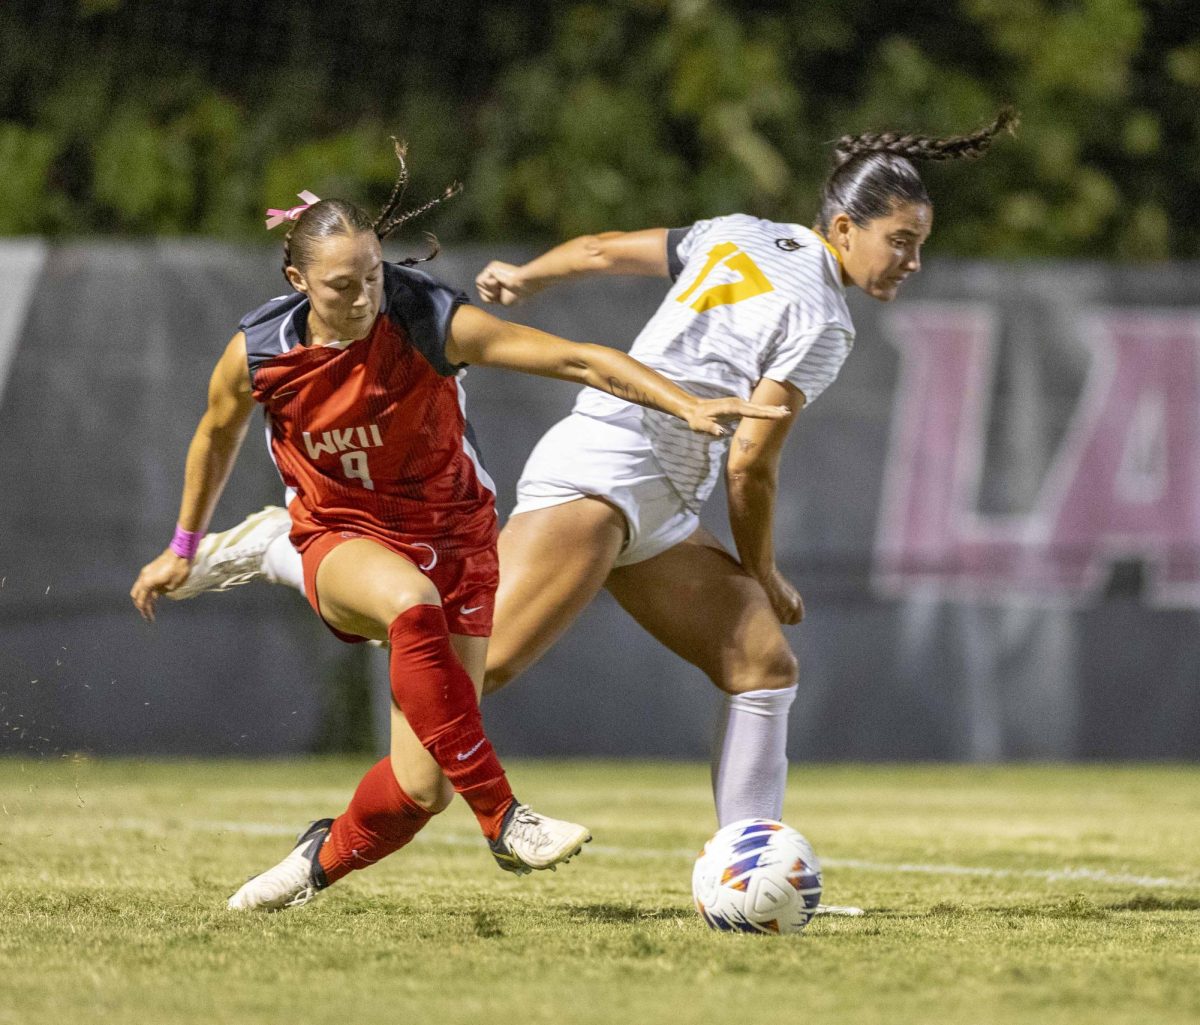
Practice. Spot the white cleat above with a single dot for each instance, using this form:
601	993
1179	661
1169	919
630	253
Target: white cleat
234	556
291	883
529	841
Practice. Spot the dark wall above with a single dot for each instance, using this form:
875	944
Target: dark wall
994	516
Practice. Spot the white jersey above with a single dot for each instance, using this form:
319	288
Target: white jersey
751	299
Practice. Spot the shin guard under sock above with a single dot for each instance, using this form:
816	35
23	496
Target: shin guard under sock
438	699
381	819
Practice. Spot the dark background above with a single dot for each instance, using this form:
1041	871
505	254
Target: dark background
190	117
141	141
108	382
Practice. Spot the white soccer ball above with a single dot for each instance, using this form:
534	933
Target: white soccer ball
757	875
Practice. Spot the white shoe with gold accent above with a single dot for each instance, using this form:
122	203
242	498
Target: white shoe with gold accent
529	841
234	556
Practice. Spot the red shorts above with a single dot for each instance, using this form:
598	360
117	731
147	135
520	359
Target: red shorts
467	583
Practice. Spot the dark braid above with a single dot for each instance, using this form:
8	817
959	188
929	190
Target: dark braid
875	171
922	147
330	217
394	216
397	195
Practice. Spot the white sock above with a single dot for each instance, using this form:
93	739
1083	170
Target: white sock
282	565
749	764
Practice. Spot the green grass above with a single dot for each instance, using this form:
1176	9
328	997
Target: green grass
113	877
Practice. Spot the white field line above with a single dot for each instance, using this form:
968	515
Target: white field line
1054	875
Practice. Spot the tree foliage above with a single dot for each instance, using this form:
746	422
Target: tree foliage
126	116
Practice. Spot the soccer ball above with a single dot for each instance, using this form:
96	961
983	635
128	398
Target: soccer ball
757	875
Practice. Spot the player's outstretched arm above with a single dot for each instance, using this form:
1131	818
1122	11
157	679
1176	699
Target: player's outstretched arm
479	338
611	252
210	459
751	481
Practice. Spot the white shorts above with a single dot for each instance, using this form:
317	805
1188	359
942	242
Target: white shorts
582	457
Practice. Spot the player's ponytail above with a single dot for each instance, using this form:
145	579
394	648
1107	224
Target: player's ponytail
874	171
393	215
327	217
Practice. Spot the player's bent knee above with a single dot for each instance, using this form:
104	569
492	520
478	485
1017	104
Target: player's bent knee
775	668
407	598
780	669
434	798
439	804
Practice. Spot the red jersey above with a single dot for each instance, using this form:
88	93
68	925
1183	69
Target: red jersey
372	436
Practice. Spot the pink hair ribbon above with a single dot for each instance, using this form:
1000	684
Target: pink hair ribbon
276	217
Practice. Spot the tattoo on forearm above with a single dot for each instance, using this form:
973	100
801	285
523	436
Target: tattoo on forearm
746	445
625	390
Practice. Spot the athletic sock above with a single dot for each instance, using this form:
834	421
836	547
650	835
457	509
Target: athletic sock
438	699
282	564
381	819
749	764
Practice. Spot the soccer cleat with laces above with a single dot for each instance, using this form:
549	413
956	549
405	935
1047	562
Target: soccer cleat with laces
234	556
530	841
294	881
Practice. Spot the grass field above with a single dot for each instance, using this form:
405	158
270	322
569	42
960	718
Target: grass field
1010	894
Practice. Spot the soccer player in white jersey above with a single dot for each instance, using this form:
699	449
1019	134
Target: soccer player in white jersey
610	496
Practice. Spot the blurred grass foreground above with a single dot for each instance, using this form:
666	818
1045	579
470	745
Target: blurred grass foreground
999	895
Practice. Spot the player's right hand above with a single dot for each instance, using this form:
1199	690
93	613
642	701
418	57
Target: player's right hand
784	598
501	283
708	416
161	576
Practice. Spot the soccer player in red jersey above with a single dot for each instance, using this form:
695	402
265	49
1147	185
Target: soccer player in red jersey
393	514
610	496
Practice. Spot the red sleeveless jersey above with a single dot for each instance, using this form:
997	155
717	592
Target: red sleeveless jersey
372	436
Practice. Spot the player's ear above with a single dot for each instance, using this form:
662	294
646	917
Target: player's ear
839	230
296	279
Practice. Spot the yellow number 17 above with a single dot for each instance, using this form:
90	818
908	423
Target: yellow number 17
751	283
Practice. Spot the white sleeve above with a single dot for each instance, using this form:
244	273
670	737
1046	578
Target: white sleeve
809	359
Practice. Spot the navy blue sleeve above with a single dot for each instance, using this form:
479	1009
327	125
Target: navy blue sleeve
424	307
675	236
274	328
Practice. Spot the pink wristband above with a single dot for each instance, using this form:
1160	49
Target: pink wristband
185	542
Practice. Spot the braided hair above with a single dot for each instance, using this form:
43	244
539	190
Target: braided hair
329	217
875	171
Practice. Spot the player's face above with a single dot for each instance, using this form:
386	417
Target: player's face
344	283
878	257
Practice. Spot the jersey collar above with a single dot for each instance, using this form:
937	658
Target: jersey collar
294	330
841	266
829	245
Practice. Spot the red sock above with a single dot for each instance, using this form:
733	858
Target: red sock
381	819
438	699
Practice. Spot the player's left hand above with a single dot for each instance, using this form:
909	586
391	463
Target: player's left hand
164	574
708	416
